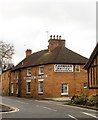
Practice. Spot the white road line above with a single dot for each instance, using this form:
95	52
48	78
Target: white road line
51	102
14	109
46	108
21	102
49	108
89	114
72	117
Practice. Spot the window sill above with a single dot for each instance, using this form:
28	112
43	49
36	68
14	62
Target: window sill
28	75
28	93
85	87
40	93
41	73
64	93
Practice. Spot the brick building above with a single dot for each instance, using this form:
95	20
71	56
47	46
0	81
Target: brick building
92	70
54	72
5	82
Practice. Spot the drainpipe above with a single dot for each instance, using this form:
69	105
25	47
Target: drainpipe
74	79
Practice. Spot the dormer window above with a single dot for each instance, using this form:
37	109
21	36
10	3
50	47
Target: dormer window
41	69
28	71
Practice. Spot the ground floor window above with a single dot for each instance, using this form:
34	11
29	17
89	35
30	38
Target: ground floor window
85	85
16	88
28	86
12	88
64	89
40	86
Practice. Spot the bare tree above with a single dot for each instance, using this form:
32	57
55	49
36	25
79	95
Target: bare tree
6	51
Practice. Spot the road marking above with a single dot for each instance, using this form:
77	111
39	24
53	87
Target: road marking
79	108
46	108
21	102
49	108
89	114
53	102
72	117
14	109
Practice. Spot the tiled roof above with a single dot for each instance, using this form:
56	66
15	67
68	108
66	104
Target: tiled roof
93	55
60	55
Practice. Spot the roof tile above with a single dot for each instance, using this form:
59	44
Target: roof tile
60	55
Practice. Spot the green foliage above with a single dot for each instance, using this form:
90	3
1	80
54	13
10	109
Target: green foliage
91	100
79	99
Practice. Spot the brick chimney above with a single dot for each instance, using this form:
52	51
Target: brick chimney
28	52
55	41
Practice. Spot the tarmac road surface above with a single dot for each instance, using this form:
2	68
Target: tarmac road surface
30	108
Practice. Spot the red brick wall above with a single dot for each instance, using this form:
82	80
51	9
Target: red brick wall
53	82
5	83
93	91
55	42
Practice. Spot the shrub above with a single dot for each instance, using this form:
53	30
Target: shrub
82	99
79	99
92	99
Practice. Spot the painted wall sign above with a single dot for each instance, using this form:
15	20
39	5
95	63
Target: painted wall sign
63	68
35	77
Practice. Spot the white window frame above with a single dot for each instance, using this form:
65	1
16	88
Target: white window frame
85	85
28	81
17	75
29	72
62	89
12	88
17	88
77	68
40	69
40	90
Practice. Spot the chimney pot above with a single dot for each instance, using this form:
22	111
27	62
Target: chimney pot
54	37
56	42
60	37
57	36
50	36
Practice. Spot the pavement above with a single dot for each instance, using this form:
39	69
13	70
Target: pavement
65	101
5	108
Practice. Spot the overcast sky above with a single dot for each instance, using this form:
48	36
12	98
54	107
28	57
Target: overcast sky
25	22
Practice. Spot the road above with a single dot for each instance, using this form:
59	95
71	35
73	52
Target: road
30	108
